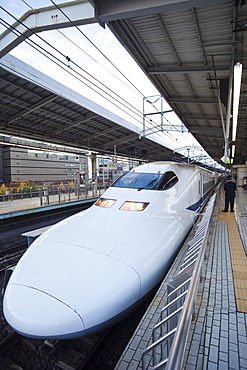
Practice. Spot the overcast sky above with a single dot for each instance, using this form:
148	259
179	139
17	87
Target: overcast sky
91	61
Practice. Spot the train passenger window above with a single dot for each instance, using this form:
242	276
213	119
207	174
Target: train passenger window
169	179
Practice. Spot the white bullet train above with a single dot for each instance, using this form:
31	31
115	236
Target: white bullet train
88	270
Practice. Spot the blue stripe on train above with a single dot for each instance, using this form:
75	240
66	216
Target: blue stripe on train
196	205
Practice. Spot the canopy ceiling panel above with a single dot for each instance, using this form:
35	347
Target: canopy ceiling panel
188	50
35	107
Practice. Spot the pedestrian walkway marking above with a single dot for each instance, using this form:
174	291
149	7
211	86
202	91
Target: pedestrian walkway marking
238	258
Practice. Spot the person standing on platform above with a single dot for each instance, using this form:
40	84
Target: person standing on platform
230	188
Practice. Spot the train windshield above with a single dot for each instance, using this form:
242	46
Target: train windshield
154	181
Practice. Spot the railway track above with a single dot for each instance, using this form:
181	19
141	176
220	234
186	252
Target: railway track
99	351
11	228
58	354
8	342
10	256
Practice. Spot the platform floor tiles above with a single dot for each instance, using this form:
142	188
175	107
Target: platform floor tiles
131	358
218	337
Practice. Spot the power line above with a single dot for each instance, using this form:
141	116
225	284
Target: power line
68	59
137	112
95	46
102	54
16	32
96	61
29	42
150	121
88	55
27	4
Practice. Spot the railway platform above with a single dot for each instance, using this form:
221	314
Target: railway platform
28	205
218	332
21	218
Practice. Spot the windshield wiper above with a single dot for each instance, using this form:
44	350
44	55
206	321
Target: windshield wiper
146	186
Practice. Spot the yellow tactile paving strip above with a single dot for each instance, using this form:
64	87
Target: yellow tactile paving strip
238	258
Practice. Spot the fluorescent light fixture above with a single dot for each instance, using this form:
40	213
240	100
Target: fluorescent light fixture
236	96
233	151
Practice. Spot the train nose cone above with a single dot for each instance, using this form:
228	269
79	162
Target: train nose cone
34	313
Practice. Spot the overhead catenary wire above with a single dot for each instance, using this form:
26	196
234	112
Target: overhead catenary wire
96	61
32	43
135	89
60	67
75	25
26	4
133	109
76	72
69	60
53	2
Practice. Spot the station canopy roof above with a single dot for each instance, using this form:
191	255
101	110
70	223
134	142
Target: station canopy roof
187	48
38	108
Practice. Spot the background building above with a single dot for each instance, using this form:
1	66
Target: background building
22	164
109	169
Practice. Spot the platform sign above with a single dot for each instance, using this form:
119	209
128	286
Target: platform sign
225	159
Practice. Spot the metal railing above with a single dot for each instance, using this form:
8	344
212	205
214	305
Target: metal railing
43	195
170	334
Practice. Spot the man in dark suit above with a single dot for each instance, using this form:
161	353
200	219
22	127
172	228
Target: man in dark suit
230	188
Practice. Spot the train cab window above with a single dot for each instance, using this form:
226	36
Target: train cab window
135	180
168	180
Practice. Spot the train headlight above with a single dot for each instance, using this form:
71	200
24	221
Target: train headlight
104	202
134	206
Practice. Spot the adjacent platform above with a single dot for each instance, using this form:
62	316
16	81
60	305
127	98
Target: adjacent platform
32	205
218	333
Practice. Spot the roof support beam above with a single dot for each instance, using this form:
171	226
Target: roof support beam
114	10
36	20
125	139
187	69
206	130
32	108
206	118
192	100
168	38
32	144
